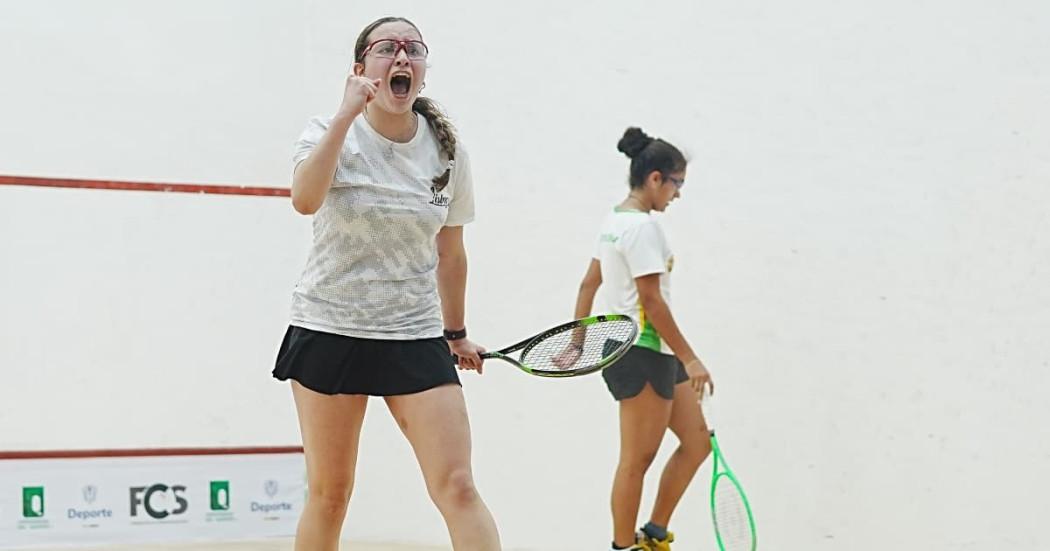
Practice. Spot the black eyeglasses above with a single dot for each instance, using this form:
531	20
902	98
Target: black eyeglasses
678	182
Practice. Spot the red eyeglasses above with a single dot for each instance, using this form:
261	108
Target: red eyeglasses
388	48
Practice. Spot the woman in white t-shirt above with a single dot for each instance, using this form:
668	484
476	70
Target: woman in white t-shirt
657	382
380	303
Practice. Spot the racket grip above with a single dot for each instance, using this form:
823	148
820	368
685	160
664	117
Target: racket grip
484	356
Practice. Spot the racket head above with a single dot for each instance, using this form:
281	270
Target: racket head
579	347
730	511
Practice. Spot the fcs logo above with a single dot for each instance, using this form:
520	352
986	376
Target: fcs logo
90	493
271	488
159	500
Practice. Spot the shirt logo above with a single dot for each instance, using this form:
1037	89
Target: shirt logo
440	182
439	199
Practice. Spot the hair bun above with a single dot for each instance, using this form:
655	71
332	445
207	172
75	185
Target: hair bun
633	142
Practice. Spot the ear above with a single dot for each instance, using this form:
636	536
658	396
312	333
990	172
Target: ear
655	179
359	69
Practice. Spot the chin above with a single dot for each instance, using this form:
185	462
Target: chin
398	106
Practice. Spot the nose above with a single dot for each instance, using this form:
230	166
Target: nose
401	57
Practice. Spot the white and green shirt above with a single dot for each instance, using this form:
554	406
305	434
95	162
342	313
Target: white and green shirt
371	272
632	244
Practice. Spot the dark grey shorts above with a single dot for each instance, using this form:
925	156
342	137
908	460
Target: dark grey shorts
627	377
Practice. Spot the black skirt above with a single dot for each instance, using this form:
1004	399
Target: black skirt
337	364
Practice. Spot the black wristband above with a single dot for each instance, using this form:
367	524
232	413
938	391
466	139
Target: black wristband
455	335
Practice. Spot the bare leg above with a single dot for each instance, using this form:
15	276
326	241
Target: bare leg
643	422
331	429
687	423
435	423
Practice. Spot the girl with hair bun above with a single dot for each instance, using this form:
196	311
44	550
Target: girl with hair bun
658	382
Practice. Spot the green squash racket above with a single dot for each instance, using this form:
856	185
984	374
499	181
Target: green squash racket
730	510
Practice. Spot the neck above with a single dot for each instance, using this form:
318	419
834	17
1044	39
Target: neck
635	202
399	127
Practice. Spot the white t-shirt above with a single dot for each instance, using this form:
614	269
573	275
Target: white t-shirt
632	244
371	272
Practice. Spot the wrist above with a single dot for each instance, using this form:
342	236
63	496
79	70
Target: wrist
455	334
346	116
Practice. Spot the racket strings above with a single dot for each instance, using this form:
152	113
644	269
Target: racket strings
580	348
731	517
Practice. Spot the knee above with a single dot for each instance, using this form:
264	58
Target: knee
455	490
695	451
330	498
636	464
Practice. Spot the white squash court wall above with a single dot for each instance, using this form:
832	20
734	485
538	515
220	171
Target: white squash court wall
862	246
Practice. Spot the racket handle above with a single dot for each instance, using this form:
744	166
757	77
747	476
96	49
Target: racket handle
705	407
484	356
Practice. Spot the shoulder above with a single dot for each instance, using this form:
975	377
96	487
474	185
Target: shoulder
319	122
640	225
461	170
461	151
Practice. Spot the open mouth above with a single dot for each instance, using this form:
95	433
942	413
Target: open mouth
400	85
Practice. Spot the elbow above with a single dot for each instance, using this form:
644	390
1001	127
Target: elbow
302	201
305	210
303	205
452	258
651	302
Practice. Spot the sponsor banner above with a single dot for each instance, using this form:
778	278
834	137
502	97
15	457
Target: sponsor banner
93	501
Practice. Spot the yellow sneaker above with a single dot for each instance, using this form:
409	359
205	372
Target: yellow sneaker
653	544
635	547
639	545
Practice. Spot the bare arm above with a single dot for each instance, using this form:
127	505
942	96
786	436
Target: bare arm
452	288
659	314
584	302
313	177
592	280
452	275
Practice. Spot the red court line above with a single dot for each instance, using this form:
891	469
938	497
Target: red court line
147	452
143	186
